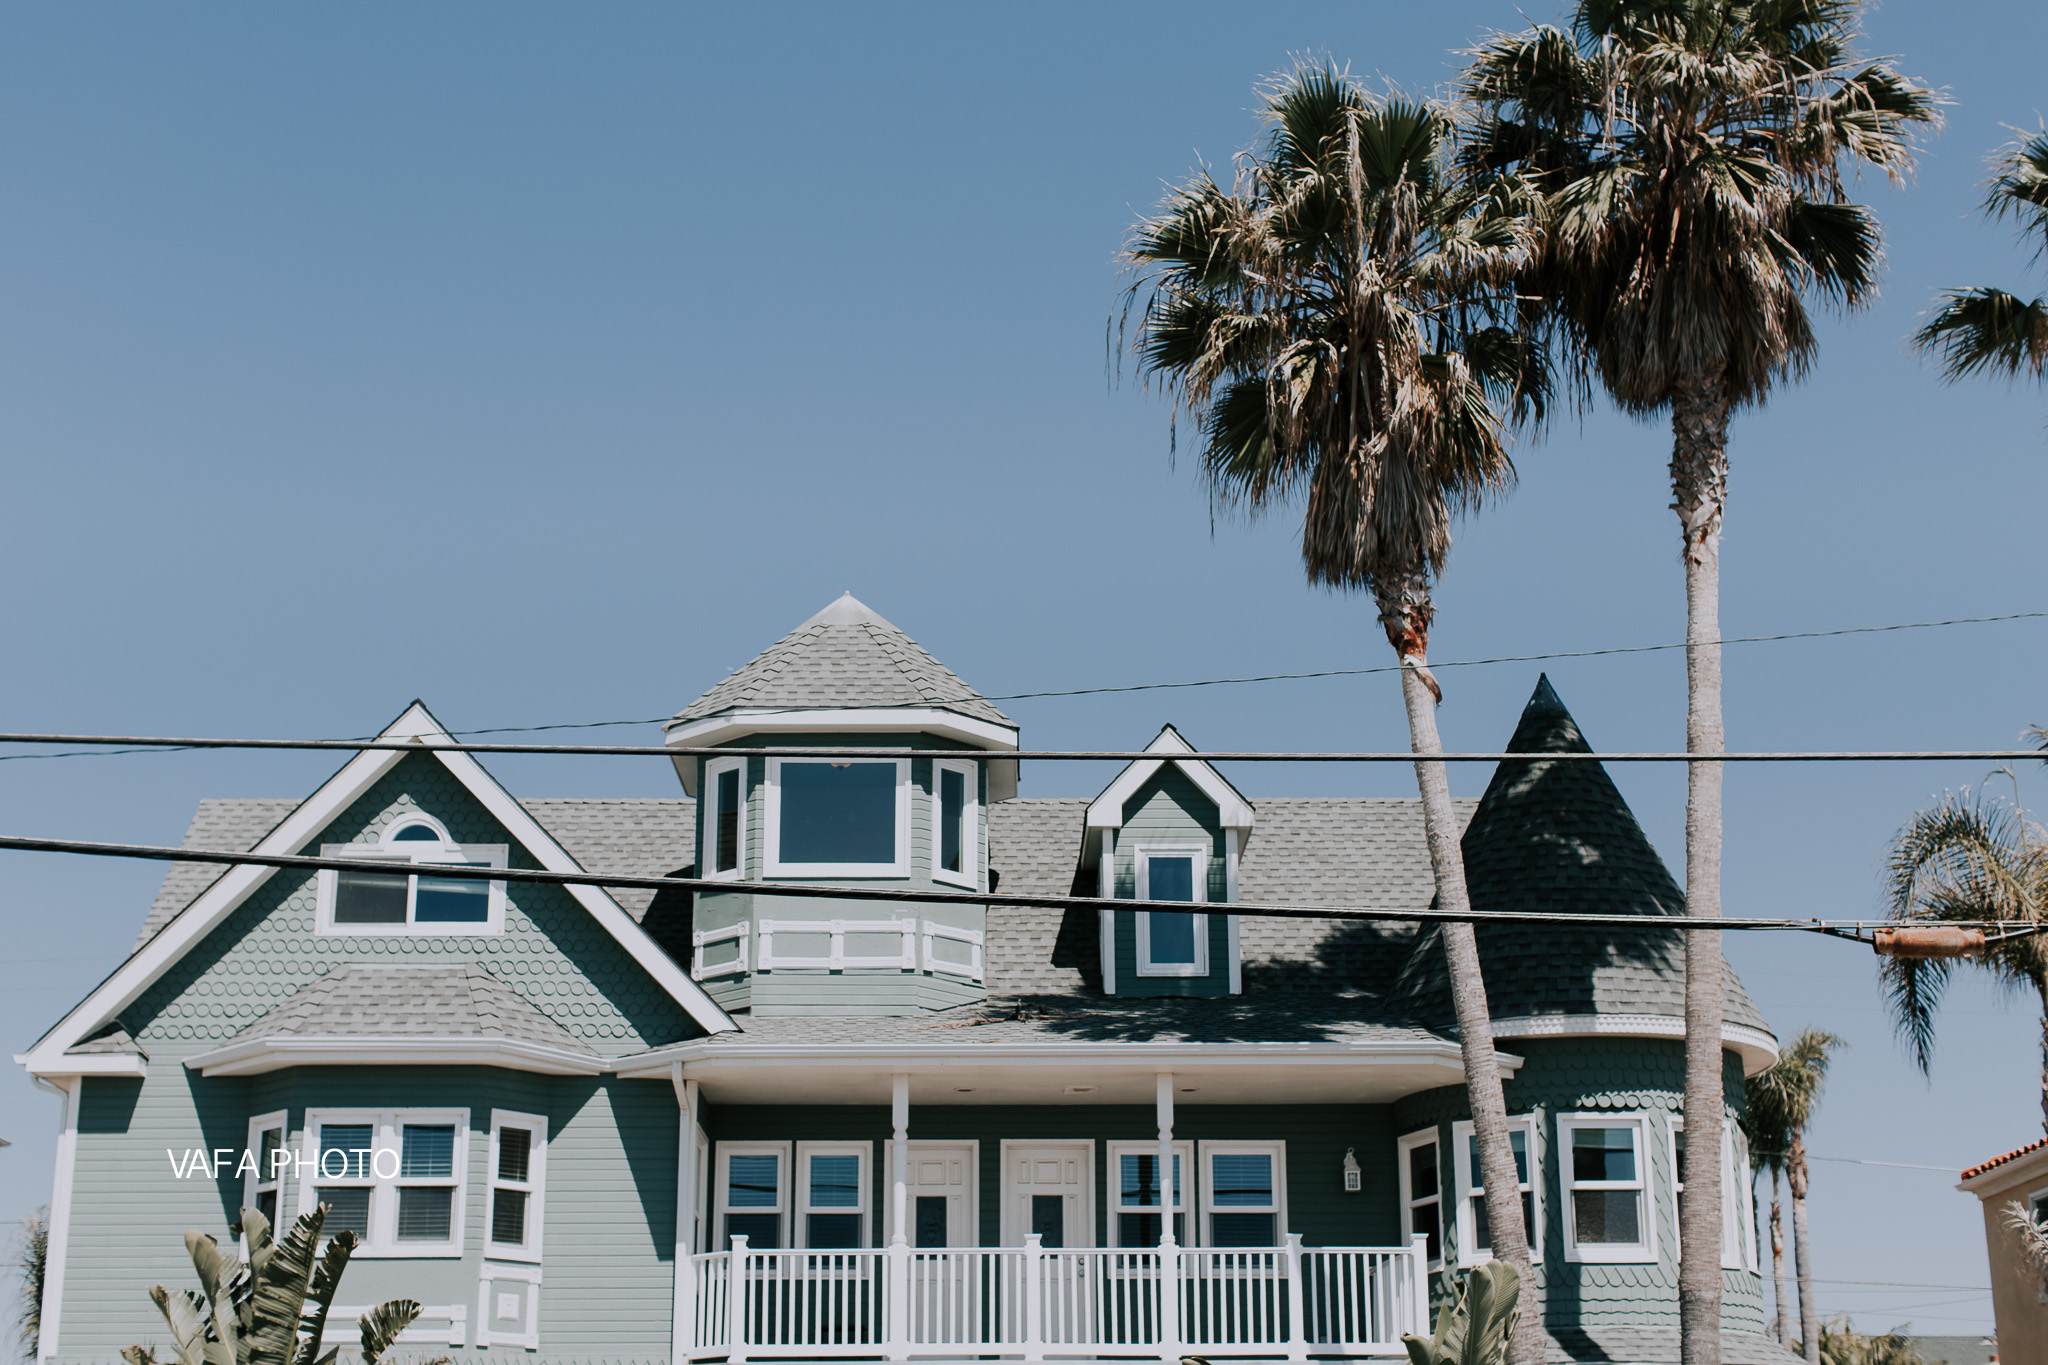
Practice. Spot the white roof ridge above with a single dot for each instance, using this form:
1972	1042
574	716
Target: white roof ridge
848	610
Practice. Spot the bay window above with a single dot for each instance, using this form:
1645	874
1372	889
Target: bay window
956	822
394	1178
1422	1192
1738	1221
838	817
262	1189
1475	1239
1601	1175
725	818
753	1192
519	1153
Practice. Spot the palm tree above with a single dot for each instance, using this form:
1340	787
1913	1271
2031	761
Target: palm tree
1769	1141
1987	330
1967	857
31	1259
1842	1345
1691	154
1331	320
1781	1105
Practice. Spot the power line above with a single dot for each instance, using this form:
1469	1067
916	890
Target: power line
1840	928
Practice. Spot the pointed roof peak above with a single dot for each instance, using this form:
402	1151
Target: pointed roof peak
848	610
1546	726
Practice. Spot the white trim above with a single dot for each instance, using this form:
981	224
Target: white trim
1106	811
739	722
704	938
834	932
1410	1201
414	861
132	1065
258	1055
1013	1235
1608	1253
722	1190
975	939
801	1207
535	1185
772	861
1207	1149
381	1241
1233	841
1184	1150
1468	1187
491	1273
422	1331
1758	1049
969	874
261	1178
59	1245
1198	887
969	1150
1105	920
148	964
715	768
689	1211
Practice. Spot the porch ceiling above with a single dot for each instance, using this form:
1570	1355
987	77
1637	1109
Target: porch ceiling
1076	1074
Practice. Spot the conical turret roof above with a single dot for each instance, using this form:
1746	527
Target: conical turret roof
846	656
1553	836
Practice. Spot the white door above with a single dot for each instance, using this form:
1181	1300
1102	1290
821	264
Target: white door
1047	1188
946	1297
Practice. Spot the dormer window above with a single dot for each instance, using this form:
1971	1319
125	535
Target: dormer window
403	901
1170	944
838	817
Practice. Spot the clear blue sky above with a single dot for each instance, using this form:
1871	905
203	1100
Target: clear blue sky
547	363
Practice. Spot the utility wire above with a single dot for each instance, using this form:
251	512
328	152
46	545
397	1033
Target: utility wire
1842	928
163	746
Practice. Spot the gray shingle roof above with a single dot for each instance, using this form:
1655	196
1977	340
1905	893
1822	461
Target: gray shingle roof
361	1000
112	1039
222	826
1559	837
845	656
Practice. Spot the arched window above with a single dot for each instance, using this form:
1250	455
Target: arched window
367	901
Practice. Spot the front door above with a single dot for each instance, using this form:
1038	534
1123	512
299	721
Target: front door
946	1308
1046	1190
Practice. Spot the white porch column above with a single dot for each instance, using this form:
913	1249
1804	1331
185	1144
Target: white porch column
1169	1249
683	1329
896	1290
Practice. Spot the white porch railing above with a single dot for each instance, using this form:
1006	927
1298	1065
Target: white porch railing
1032	1302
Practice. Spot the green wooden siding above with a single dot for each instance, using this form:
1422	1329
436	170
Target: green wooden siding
610	1181
1581	1075
1170	809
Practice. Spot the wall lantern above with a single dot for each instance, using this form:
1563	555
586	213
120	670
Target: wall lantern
1354	1179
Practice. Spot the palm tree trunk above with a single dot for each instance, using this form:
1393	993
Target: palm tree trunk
1781	1324
1802	1249
1699	483
1405	612
2041	986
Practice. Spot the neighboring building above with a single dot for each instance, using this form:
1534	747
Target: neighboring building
940	1129
2019	1293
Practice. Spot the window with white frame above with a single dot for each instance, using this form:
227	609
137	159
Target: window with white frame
263	1180
403	901
1244	1191
1475	1239
832	1194
1171	944
519	1161
838	817
1422	1191
725	818
753	1192
1601	1175
1134	1185
393	1177
956	822
1738	1229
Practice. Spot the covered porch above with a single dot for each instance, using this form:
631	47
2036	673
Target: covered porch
1006	1203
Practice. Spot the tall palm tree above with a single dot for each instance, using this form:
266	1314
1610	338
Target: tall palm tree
1781	1105
1967	857
1770	1139
1986	330
1332	322
1692	154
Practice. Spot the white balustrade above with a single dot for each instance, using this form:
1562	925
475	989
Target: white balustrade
783	944
1036	1302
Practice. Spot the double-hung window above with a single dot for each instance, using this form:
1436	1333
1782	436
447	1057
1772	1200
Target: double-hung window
1738	1226
402	900
1171	944
1601	1174
956	822
830	817
832	1190
1134	1179
1422	1191
725	818
753	1192
263	1181
394	1178
1244	1188
519	1158
1475	1238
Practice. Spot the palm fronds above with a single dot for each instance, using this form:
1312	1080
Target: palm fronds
1986	330
1842	1345
29	1259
